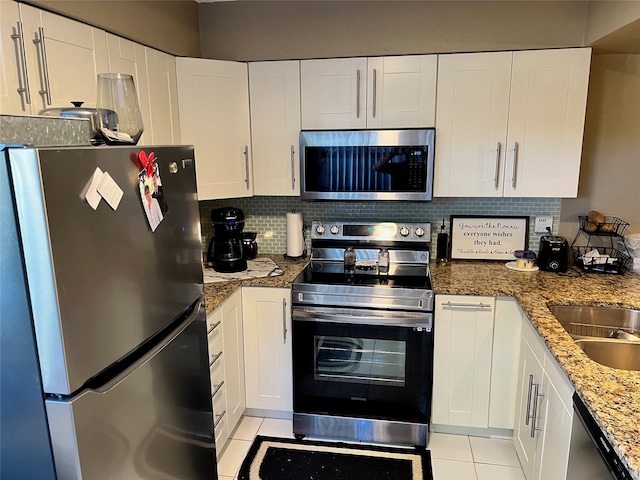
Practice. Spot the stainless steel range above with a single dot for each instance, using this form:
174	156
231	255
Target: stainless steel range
363	334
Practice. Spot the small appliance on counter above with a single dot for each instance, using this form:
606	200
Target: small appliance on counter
554	254
249	245
226	250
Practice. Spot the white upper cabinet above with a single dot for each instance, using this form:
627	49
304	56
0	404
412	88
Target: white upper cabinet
401	91
471	123
378	92
13	92
274	93
62	58
64	62
510	123
213	97
154	74
128	57
163	98
333	93
546	122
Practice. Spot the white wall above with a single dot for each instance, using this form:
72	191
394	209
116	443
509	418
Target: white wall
610	170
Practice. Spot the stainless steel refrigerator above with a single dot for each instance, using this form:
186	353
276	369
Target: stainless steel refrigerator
104	371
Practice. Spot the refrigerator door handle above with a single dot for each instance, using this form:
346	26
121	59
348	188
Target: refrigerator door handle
150	351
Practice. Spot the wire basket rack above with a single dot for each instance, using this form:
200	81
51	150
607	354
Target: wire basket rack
611	261
612	226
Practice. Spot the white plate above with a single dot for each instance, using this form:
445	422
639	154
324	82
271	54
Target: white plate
514	266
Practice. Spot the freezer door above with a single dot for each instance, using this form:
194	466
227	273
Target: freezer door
154	420
101	281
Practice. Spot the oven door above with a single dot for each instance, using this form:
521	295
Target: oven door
363	363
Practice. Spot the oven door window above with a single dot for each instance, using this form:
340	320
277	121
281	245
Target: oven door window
370	361
356	370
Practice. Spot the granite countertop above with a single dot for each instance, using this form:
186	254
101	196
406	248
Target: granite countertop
612	396
216	293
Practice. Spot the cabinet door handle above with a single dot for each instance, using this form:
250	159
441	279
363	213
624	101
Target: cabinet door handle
246	165
466	305
293	169
218	419
534	417
496	178
24	88
39	41
216	388
515	165
215	358
284	320
375	92
528	415
358	93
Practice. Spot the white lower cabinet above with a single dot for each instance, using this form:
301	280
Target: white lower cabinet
475	363
542	432
462	360
267	348
226	366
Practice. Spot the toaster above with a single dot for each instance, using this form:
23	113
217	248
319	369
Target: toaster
554	254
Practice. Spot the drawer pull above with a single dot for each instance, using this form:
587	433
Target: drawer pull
466	305
216	388
214	326
218	419
215	358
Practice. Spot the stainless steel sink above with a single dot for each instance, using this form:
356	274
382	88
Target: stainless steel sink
613	353
601	322
607	335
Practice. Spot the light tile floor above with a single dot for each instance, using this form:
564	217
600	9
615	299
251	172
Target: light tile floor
454	457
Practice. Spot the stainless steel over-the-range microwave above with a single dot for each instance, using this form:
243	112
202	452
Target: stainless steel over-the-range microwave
367	164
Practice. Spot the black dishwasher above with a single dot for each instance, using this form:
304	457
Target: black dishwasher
587	438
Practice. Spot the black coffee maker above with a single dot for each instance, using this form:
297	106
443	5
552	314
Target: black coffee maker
225	249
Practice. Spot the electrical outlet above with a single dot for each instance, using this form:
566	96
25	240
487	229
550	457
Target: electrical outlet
543	222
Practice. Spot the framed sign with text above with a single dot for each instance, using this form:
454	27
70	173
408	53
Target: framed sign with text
488	238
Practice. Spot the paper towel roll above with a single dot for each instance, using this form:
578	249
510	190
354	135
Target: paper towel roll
295	239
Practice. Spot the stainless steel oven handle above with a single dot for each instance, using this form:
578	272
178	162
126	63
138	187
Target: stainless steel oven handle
307	316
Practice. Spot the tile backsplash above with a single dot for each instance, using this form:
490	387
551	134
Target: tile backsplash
267	215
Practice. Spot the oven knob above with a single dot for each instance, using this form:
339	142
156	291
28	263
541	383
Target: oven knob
404	231
419	232
334	229
320	229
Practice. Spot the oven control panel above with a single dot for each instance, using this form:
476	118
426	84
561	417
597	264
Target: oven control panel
383	231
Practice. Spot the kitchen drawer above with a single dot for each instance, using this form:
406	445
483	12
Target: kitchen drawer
215	350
